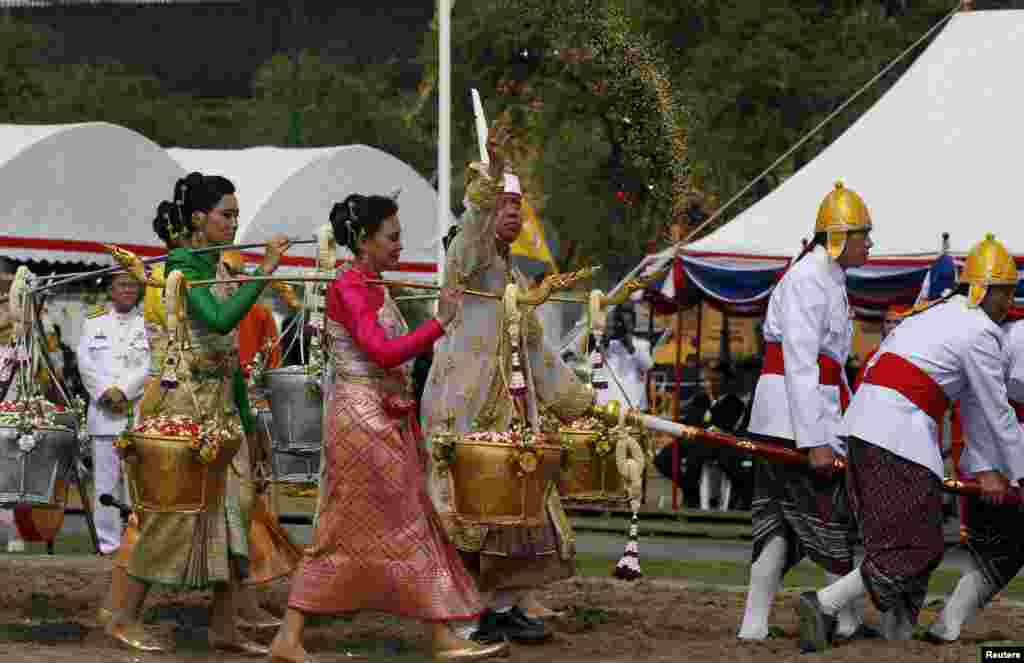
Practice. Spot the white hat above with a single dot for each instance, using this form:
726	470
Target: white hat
512	186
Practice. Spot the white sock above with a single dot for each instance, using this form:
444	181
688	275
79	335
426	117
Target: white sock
842	599
463	629
970	595
896	625
725	492
765	581
705	487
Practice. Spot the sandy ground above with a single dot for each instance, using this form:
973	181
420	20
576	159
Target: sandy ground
48	604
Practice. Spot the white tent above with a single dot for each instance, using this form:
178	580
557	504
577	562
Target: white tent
291	191
936	154
64	189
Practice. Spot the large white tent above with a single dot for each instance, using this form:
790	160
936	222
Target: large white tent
936	154
292	190
65	189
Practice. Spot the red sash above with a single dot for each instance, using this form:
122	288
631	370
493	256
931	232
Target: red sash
830	373
860	374
898	374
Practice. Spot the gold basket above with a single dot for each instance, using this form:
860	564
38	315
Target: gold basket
591	477
165	475
487	488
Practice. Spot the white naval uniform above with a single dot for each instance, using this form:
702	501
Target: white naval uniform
627	374
1013	348
809	314
112	352
962	350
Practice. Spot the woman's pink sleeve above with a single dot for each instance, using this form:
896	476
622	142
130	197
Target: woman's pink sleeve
355	305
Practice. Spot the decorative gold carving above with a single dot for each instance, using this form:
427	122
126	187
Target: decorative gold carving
555	283
132	264
631	286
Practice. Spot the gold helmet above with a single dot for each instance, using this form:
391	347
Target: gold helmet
988	263
841	212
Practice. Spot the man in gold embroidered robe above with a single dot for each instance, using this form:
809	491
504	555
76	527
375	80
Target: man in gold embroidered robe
468	389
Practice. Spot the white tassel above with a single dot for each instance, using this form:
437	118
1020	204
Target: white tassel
628	566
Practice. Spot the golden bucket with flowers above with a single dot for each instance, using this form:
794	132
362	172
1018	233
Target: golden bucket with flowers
498	478
176	465
593	475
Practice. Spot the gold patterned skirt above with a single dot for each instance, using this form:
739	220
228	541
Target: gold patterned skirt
192	550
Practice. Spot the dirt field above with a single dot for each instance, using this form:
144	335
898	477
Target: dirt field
47	614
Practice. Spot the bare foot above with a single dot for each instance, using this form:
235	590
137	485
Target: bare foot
282	652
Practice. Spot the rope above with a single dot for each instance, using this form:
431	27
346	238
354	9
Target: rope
816	129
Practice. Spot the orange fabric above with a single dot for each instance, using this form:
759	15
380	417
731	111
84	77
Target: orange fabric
897	312
255	332
830	373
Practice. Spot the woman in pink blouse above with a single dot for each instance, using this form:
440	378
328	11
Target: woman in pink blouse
379	544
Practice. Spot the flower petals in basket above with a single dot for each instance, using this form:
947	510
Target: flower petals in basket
205	440
30	412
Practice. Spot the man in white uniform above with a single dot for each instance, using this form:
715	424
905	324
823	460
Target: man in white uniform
628	359
798	403
953	350
993	532
113	358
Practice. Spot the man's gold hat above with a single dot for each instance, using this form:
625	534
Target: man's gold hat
988	263
842	212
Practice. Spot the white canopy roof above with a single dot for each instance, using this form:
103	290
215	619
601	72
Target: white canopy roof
66	188
937	153
292	190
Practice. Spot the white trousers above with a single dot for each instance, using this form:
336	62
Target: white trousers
106	468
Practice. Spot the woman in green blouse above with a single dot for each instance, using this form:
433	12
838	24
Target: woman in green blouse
209	549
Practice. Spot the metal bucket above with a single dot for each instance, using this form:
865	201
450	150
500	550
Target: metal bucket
66	419
296	467
297	421
290	466
488	487
30	478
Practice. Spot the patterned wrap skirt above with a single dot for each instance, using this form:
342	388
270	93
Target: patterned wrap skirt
994	542
810	513
898	504
379	544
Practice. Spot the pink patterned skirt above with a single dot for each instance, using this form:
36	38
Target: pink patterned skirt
380	544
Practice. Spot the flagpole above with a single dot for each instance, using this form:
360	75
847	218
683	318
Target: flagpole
444	129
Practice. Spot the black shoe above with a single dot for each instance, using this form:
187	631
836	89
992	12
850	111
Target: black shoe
863	632
816	628
512	625
532	621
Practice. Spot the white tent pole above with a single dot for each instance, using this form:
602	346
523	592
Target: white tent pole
444	128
